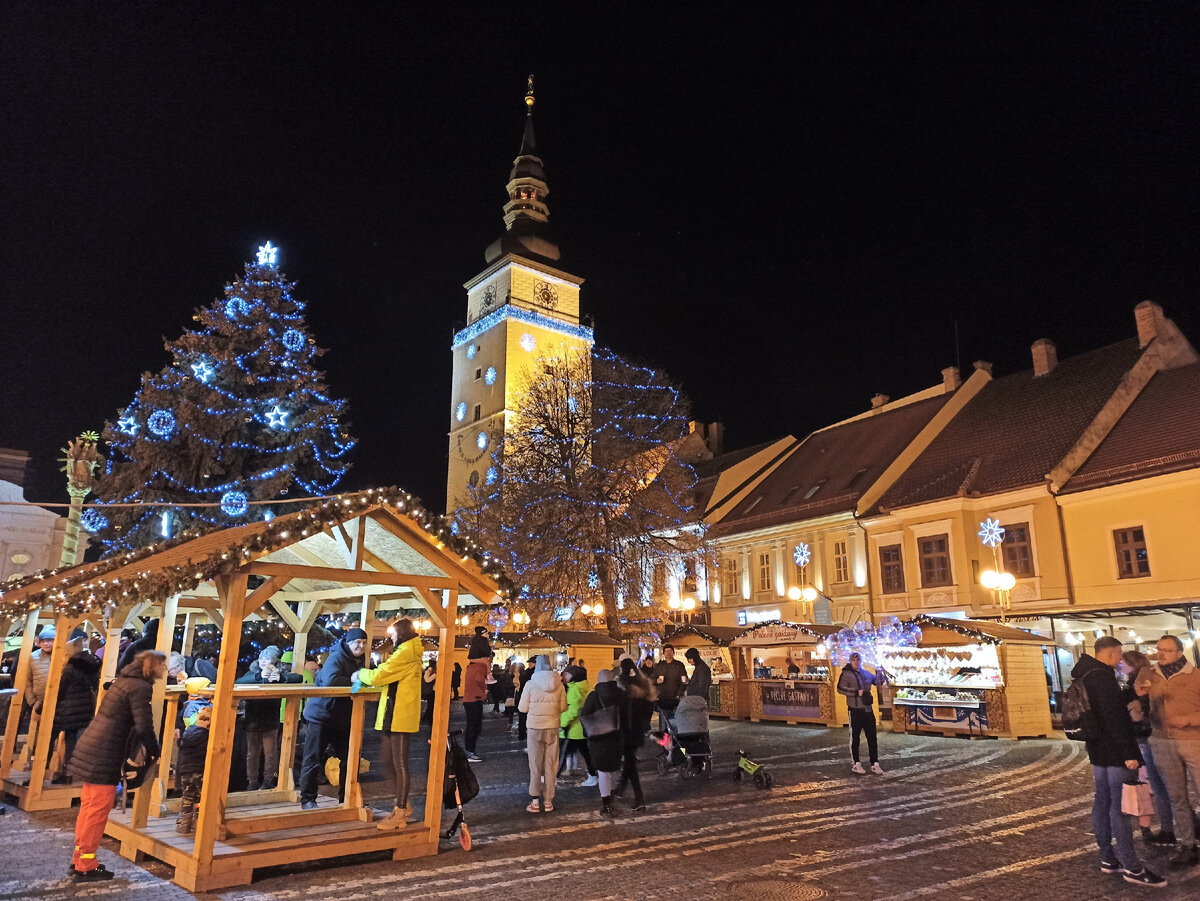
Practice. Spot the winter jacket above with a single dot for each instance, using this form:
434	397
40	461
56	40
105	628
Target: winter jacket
639	711
850	682
340	666
147	642
39	673
475	680
605	750
480	648
77	692
673	673
400	706
193	749
577	693
1174	696
700	682
192	709
100	754
544	699
1117	742
263	715
456	676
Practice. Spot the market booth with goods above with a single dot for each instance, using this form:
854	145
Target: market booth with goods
782	672
368	551
963	677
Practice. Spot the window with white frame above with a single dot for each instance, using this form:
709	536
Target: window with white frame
764	571
841	562
732	585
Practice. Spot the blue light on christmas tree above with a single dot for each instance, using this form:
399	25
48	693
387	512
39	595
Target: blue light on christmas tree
162	423
234	503
293	339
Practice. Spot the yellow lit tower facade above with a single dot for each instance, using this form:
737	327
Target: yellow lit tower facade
520	309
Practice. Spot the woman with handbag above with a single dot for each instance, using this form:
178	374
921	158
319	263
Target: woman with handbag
639	698
601	720
1133	662
99	758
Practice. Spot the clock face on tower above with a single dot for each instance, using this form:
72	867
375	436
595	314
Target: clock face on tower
489	298
545	295
471	448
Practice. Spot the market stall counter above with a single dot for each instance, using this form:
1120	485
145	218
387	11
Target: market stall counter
713	645
782	673
968	678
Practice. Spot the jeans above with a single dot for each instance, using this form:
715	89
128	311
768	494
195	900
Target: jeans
1158	789
1174	759
262	744
1108	822
474	711
576	746
863	720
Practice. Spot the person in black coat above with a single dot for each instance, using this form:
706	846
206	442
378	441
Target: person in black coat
328	719
261	720
1114	755
147	642
76	704
99	756
635	723
606	750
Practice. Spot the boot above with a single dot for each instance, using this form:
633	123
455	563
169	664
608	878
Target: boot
639	802
186	824
1188	856
1147	835
397	820
606	807
1162	838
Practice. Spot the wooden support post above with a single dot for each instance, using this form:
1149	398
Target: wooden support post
166	638
158	791
189	633
354	798
9	758
45	736
441	720
232	592
287	747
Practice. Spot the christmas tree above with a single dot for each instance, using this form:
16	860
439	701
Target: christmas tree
238	417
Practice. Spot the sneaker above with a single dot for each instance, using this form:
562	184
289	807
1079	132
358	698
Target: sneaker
1110	867
1144	877
308	805
473	757
877	769
534	807
589	782
858	768
99	874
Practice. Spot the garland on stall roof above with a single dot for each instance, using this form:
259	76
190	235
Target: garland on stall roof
950	625
82	588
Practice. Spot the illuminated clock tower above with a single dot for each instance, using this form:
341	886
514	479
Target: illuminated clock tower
520	309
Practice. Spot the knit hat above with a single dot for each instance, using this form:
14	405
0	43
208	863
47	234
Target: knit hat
624	657
269	654
354	635
481	630
287	657
196	684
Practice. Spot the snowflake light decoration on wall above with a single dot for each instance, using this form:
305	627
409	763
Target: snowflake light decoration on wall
471	351
802	554
490	375
234	503
528	343
202	371
162	423
991	533
482	441
293	339
460	412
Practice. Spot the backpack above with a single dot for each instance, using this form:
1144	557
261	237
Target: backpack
1078	719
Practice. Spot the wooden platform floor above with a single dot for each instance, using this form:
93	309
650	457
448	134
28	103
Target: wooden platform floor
236	857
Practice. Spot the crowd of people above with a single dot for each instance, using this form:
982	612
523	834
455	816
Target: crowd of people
1143	736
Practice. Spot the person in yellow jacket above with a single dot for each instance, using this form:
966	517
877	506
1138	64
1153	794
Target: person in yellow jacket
399	714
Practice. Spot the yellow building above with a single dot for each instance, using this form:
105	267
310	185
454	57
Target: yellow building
520	309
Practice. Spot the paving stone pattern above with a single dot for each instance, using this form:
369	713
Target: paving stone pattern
951	818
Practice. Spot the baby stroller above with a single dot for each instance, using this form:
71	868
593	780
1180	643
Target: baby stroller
460	786
685	744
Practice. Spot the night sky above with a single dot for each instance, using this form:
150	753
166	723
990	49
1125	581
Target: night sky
788	212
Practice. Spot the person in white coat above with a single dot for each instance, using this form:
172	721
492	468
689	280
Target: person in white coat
544	699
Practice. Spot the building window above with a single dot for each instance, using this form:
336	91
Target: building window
841	562
1018	550
891	567
478	374
935	560
1133	560
764	572
478	411
733	586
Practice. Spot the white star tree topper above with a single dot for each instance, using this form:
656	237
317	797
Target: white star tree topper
267	254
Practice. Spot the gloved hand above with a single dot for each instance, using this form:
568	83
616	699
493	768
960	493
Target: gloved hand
355	684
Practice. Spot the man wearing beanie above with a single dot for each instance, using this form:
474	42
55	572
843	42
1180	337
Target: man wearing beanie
480	648
479	659
328	719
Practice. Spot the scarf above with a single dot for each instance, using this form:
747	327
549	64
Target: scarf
1170	669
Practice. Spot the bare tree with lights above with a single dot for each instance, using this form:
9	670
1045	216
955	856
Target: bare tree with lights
592	492
239	415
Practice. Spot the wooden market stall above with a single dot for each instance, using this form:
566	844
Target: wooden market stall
357	551
968	678
767	690
713	644
595	650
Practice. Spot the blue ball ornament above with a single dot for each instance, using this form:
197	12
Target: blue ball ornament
162	423
234	503
293	339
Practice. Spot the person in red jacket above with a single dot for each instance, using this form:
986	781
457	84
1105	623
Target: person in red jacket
474	692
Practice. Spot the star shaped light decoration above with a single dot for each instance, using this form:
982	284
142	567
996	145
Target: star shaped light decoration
277	418
128	425
991	533
267	254
802	554
202	371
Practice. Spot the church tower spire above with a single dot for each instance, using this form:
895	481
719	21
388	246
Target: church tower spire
526	215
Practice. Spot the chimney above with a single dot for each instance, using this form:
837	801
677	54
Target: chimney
951	379
878	401
984	365
1045	356
1149	316
716	438
693	427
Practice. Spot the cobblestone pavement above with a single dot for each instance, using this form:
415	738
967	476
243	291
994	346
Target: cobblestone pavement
951	818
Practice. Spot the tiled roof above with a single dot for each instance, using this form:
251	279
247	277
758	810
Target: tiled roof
1160	432
830	471
1015	430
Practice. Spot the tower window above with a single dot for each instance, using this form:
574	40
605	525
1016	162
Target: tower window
478	374
478	411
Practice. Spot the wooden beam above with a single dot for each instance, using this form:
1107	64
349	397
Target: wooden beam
433	606
45	732
285	613
263	593
441	722
14	707
328	574
420	541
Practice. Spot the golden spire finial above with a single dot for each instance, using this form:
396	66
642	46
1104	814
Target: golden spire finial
529	95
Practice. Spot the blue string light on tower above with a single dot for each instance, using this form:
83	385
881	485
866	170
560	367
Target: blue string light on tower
240	416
